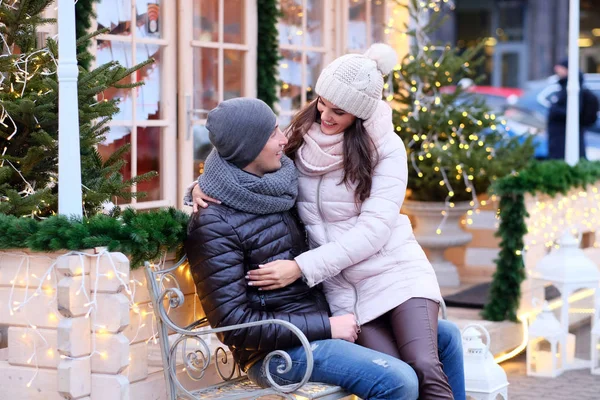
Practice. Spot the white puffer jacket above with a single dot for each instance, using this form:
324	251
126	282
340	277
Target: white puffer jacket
366	256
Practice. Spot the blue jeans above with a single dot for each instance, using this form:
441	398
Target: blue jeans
360	371
451	356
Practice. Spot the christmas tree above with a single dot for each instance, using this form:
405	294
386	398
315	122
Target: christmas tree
29	119
456	146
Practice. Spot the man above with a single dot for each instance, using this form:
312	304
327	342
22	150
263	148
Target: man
256	224
557	116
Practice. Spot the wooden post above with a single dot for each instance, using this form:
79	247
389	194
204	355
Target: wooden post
572	134
69	164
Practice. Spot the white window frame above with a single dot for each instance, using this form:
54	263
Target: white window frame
345	19
167	102
188	117
327	48
335	25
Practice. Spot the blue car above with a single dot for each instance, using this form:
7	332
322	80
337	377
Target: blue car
529	114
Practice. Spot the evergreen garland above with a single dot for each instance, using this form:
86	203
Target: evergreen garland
549	177
267	52
84	14
142	236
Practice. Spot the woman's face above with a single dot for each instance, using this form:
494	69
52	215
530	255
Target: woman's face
333	119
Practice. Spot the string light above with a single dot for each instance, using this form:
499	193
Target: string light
32	291
569	210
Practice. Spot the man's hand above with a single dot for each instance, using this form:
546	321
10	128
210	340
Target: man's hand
200	199
274	275
344	327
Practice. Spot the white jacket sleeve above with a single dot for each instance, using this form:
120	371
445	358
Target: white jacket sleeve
374	226
188	199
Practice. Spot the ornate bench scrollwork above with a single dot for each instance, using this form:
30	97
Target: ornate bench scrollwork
196	354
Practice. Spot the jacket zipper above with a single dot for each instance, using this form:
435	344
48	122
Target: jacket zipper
327	240
263	303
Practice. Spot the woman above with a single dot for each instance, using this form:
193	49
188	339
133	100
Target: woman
352	182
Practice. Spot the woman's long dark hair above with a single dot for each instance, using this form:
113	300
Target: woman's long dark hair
359	157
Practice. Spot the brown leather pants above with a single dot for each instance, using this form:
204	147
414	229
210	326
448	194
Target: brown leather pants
409	332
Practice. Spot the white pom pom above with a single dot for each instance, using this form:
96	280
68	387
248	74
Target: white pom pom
384	55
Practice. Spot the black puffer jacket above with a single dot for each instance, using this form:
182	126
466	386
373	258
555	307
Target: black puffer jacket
223	244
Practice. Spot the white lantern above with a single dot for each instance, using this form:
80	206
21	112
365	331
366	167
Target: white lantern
485	379
569	269
567	265
595	345
546	345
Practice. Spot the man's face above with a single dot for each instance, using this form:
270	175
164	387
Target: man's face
269	159
561	71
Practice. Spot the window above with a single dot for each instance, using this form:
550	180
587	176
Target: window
365	24
137	33
221	62
220	51
303	46
314	32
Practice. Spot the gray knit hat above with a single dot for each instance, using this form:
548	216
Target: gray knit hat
354	82
239	129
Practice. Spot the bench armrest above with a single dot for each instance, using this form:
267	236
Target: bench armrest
197	361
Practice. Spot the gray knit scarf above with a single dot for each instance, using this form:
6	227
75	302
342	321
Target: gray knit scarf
274	192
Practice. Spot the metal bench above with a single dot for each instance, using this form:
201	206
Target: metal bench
196	359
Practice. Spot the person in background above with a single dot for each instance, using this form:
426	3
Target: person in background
557	115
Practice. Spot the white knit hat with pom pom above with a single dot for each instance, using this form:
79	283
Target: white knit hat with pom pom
354	82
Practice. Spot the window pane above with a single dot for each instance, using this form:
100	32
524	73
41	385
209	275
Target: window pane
115	15
202	148
510	70
233	73
148	95
511	21
290	73
117	137
314	23
314	66
290	23
357	25
148	159
377	21
148	19
122	52
234	30
284	120
206	78
206	20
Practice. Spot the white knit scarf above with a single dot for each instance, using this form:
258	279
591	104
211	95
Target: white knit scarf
320	153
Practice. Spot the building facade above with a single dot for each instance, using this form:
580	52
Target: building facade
525	37
205	52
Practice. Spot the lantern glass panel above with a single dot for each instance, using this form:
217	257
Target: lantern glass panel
596	350
560	356
541	361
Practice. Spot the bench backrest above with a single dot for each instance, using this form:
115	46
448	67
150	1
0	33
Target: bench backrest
164	290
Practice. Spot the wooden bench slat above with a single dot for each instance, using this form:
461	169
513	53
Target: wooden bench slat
243	388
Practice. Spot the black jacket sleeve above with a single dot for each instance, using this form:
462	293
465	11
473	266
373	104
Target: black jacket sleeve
589	112
558	109
216	258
